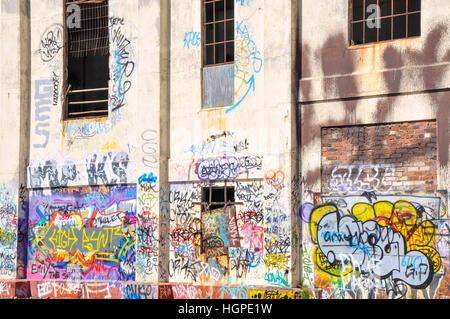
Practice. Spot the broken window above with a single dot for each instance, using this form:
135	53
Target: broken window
383	20
217	197
87	59
218	222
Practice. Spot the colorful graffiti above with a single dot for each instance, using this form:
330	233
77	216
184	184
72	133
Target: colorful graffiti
43	95
192	39
70	237
361	178
247	241
375	244
8	231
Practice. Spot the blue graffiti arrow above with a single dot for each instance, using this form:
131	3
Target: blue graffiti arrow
251	85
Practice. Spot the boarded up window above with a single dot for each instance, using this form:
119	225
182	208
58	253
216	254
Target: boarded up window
219	224
218	53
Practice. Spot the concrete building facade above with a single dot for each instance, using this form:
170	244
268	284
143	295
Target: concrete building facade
304	166
374	156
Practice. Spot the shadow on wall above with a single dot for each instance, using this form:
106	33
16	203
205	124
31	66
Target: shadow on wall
336	59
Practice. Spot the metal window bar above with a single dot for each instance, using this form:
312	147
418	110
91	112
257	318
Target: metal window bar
206	205
389	16
93	36
91	39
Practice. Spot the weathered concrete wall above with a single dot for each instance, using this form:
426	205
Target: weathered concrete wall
252	134
156	147
351	222
12	120
105	152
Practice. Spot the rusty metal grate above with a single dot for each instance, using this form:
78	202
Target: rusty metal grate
92	37
217	197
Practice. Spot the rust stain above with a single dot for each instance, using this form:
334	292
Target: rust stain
98	119
213	120
66	122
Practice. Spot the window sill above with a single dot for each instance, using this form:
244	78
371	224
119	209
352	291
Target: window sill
94	118
380	43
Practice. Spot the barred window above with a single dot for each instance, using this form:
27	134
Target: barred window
217	197
383	20
87	59
218	32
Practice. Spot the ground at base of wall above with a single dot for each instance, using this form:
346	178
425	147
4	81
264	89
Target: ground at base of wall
31	289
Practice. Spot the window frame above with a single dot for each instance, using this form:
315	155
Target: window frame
213	43
390	16
85	114
207	203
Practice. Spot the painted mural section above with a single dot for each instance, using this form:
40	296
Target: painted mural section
82	233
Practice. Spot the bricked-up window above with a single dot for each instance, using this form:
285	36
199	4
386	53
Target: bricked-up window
381	158
383	20
88	60
218	32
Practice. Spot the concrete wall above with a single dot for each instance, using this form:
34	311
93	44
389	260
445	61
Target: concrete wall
254	131
109	196
98	152
364	96
337	154
12	138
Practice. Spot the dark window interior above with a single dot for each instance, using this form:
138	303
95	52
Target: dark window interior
88	61
397	19
218	32
217	197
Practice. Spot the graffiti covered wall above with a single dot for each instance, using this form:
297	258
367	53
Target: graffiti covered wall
8	231
248	242
374	158
82	233
380	246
